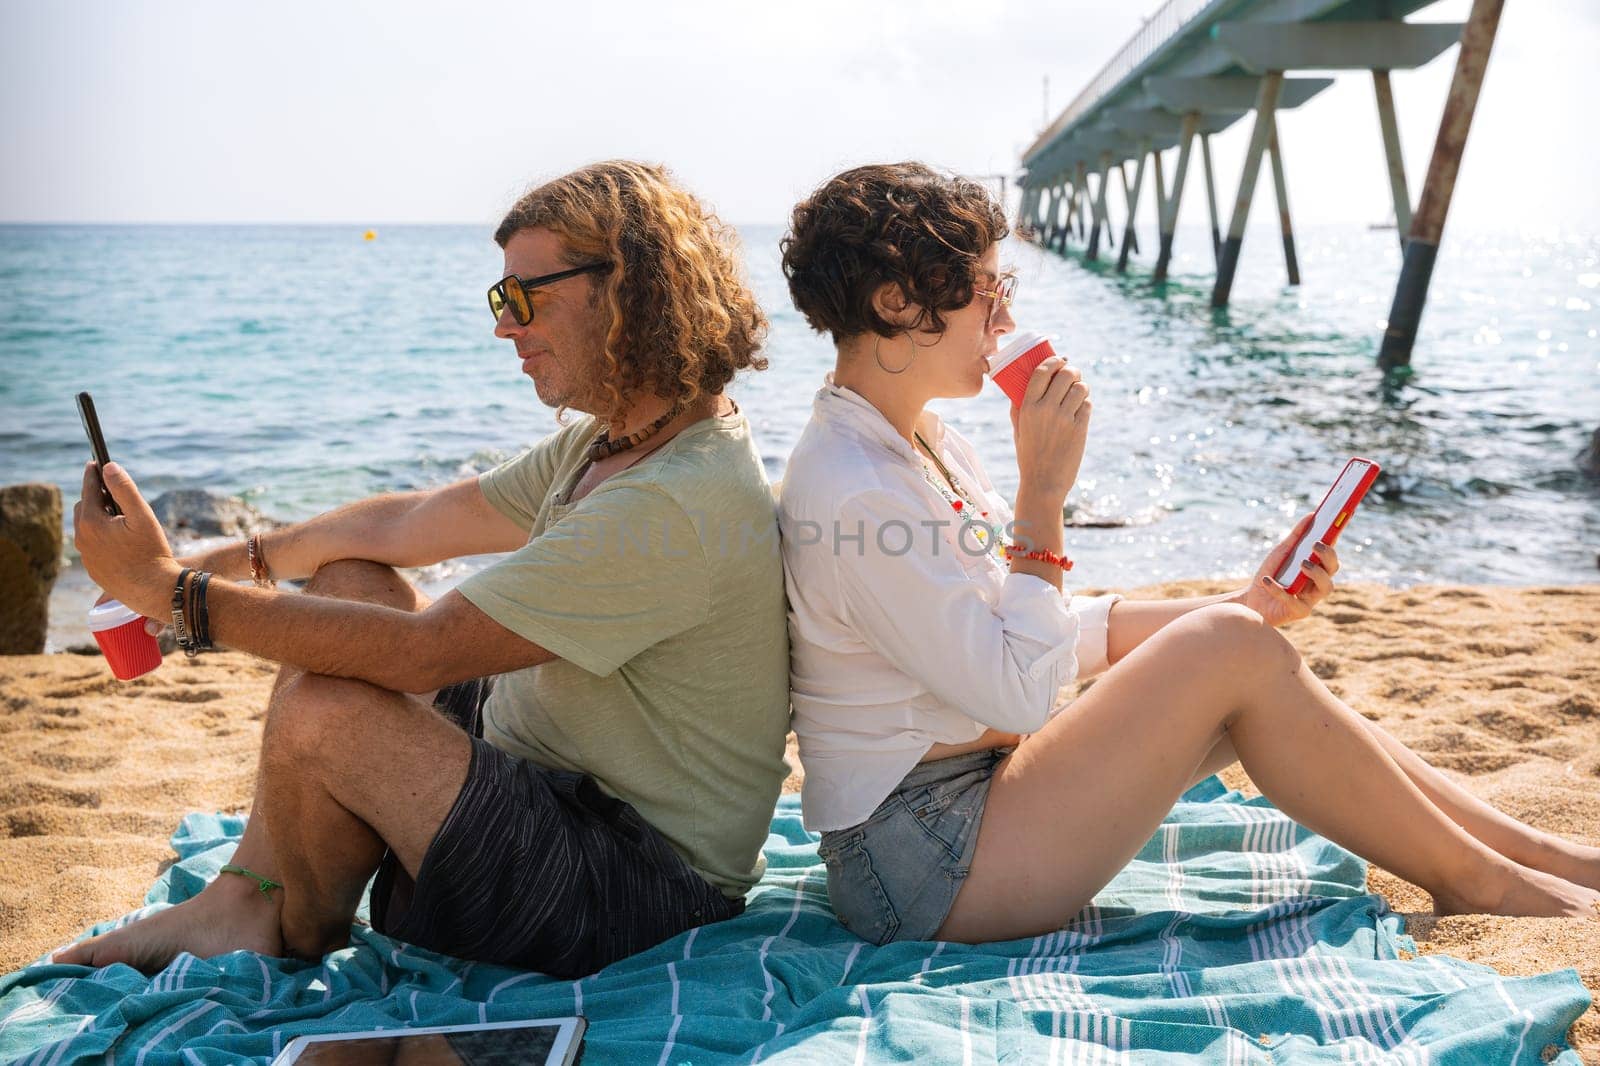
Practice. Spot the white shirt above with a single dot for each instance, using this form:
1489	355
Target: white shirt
900	635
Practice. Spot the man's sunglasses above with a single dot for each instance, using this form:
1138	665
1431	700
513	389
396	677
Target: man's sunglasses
512	291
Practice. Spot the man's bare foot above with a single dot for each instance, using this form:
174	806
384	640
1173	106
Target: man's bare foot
1527	893
225	916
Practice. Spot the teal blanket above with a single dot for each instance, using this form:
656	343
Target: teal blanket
1235	937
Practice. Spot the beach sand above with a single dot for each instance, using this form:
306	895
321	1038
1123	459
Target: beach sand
1500	687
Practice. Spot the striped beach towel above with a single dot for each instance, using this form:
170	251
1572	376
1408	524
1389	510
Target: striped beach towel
1235	937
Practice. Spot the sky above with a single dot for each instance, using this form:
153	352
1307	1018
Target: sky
403	111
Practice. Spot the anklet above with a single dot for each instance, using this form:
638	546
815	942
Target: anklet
266	884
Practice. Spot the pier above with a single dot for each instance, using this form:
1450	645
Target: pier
1195	68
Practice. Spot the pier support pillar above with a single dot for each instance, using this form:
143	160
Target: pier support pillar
1211	196
1427	224
1161	188
1069	196
1101	220
1169	217
1266	111
1128	235
1027	211
1391	154
1281	187
1069	200
1128	241
1080	201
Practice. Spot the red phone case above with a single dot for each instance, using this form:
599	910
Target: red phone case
1331	518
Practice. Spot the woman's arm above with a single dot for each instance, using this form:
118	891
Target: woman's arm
1132	622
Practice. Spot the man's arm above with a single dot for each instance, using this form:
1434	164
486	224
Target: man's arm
128	556
1132	622
397	529
408	652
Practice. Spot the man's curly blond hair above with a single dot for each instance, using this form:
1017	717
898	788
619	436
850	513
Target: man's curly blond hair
683	321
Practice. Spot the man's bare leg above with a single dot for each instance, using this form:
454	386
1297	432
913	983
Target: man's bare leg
231	913
355	769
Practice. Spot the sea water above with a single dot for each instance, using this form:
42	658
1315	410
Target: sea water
302	367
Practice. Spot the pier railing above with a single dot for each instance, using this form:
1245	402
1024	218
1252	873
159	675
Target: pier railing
1158	29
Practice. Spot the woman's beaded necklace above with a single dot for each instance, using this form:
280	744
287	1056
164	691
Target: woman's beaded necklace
959	500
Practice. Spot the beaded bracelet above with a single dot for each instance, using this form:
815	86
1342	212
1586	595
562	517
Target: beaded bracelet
1038	555
258	563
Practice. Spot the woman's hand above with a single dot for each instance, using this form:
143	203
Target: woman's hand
1271	600
1050	428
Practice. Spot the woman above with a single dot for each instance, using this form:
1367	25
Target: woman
954	801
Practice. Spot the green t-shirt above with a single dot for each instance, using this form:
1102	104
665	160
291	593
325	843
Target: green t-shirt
662	593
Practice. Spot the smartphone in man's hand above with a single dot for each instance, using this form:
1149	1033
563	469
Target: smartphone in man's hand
97	442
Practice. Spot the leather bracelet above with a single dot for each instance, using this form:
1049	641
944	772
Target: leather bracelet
202	614
180	629
191	608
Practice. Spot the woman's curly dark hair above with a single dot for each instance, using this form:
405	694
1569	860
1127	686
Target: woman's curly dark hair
904	224
683	321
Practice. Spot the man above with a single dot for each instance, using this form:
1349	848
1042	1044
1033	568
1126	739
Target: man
612	786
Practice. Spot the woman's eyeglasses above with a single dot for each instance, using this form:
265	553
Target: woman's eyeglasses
512	291
999	296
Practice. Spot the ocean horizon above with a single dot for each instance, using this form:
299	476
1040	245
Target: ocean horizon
297	367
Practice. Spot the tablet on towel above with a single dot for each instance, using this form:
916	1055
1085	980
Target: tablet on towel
547	1041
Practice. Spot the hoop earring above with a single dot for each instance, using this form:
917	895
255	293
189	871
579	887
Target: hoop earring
877	358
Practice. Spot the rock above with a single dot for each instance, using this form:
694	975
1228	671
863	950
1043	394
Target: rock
198	513
30	558
1589	457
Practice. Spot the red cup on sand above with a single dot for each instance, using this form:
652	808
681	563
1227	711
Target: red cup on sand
1014	364
120	632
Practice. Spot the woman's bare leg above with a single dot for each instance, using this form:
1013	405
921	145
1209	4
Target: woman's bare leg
1517	841
1074	804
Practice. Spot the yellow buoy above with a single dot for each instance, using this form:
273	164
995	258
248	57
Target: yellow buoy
370	235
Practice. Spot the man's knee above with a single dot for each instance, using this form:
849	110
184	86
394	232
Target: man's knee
315	716
365	582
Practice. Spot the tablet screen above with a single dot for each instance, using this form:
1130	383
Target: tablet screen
499	1045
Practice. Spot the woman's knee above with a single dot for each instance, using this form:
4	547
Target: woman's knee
1233	637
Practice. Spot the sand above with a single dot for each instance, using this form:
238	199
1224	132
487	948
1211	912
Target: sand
1499	687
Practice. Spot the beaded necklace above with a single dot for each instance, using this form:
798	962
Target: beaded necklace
603	447
959	500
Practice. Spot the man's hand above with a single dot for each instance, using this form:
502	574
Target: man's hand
127	555
1271	601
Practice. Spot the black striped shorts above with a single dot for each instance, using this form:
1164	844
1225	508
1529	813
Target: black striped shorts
539	869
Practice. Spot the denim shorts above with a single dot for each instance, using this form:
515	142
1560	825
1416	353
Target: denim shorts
896	875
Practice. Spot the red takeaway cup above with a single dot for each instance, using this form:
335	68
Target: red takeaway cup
120	632
1014	364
